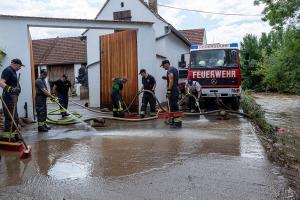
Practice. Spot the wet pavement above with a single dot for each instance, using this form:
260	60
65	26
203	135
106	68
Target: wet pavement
206	159
284	111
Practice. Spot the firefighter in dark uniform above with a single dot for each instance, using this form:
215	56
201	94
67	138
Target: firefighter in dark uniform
172	92
11	89
61	89
148	83
118	84
41	101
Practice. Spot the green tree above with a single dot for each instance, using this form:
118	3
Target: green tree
281	12
281	69
250	57
273	61
2	55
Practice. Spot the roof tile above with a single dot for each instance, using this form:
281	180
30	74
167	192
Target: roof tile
68	50
195	36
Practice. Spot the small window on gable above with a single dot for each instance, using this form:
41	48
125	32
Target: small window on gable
122	4
123	15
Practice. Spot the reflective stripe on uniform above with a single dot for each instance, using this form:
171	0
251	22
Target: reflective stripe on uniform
41	123
152	114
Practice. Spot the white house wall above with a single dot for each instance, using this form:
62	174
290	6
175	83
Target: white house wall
14	42
94	85
139	12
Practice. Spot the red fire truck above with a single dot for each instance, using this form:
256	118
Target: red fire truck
217	68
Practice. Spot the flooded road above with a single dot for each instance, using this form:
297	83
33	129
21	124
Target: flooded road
284	111
206	159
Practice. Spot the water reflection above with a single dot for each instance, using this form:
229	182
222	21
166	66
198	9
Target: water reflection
114	153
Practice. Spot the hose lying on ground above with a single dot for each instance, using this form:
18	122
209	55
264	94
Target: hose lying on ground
157	116
62	121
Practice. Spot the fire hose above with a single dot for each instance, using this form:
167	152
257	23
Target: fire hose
157	116
62	121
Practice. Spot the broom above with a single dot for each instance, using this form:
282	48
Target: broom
27	151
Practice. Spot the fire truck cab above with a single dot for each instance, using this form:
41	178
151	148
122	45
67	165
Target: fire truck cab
217	68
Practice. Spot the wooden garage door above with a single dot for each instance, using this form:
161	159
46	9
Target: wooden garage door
119	59
56	71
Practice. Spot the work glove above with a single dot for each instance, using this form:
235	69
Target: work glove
12	90
169	93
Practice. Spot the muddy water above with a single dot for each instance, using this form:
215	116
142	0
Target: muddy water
284	111
206	159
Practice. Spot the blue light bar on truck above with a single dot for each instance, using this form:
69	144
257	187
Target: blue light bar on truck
234	45
194	46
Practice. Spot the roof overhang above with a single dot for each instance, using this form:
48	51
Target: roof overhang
72	23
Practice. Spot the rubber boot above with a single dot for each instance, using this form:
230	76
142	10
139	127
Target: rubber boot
152	114
177	123
16	138
115	114
142	114
42	129
121	114
47	127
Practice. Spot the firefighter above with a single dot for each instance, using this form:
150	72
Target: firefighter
41	101
193	92
61	89
172	92
148	83
11	90
118	84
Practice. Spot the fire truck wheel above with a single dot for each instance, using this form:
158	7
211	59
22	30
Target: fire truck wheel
235	103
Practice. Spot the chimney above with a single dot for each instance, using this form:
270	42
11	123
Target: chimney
153	5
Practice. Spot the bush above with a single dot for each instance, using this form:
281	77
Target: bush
2	55
273	62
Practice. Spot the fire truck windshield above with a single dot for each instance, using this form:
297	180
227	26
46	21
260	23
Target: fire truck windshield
215	58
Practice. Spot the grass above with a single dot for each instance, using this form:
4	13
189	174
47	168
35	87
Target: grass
257	115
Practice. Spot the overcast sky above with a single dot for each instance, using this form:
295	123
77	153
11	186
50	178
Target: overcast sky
223	29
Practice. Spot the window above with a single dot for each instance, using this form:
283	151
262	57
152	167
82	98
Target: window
123	15
218	58
122	4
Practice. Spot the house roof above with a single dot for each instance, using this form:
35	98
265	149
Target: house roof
195	36
69	50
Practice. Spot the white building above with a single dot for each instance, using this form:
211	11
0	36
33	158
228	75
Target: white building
169	43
